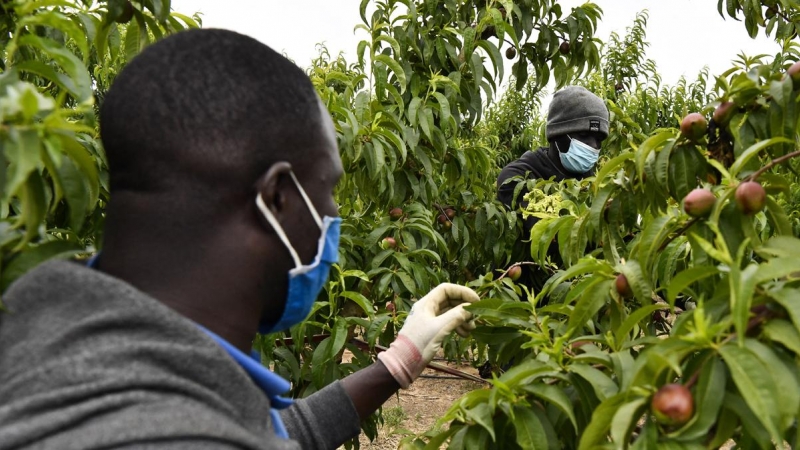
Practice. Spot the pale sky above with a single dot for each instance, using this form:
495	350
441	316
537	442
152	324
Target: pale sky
685	35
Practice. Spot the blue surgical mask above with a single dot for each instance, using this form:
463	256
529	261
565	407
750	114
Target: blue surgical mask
580	158
305	281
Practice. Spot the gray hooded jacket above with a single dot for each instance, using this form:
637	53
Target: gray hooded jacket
89	362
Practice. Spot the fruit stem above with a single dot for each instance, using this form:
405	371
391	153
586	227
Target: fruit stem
693	379
522	263
444	213
772	164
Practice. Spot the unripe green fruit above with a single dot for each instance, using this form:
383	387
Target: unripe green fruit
564	48
771	12
723	113
623	287
694	126
699	202
395	213
514	273
794	72
673	405
388	242
511	53
750	197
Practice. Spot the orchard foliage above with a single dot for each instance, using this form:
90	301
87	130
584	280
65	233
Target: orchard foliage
57	59
781	17
649	296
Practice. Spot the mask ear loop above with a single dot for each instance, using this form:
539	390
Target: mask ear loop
278	229
310	205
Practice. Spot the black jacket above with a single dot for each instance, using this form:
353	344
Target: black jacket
543	163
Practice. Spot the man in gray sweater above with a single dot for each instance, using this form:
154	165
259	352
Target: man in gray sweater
222	222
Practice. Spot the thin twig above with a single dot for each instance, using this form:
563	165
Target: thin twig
517	264
772	164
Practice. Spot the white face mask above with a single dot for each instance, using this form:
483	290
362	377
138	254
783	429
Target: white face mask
305	281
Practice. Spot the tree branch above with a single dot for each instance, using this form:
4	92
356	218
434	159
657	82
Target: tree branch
772	164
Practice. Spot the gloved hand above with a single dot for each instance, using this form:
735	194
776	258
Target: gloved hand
431	319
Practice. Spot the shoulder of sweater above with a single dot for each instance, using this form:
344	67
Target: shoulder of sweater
70	328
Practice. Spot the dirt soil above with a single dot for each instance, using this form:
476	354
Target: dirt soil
418	408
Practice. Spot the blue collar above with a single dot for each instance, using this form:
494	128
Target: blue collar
271	384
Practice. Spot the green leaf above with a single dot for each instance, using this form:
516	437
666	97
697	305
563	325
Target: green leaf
34	255
593	299
444	109
494	56
34	207
783	332
649	145
742	287
530	432
80	82
748	420
777	268
481	414
789	299
752	151
758	392
61	22
609	167
88	167
23	154
584	266
407	281
625	419
682	176
621	333
686	278
785	380
777	216
133	42
595	434
556	396
603	386
359	300
338	336
652	238
396	68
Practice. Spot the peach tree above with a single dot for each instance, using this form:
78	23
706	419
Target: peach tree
673	320
57	59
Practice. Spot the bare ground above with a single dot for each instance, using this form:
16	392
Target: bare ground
418	408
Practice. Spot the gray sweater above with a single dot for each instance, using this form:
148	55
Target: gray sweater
89	362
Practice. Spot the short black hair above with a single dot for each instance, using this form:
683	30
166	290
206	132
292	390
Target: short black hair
206	111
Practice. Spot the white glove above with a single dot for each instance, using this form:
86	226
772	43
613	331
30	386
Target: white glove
431	319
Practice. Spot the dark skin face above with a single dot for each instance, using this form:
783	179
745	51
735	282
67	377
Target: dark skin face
318	178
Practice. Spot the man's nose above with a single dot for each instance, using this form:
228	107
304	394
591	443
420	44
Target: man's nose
591	141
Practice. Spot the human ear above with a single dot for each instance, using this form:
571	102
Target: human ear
271	190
